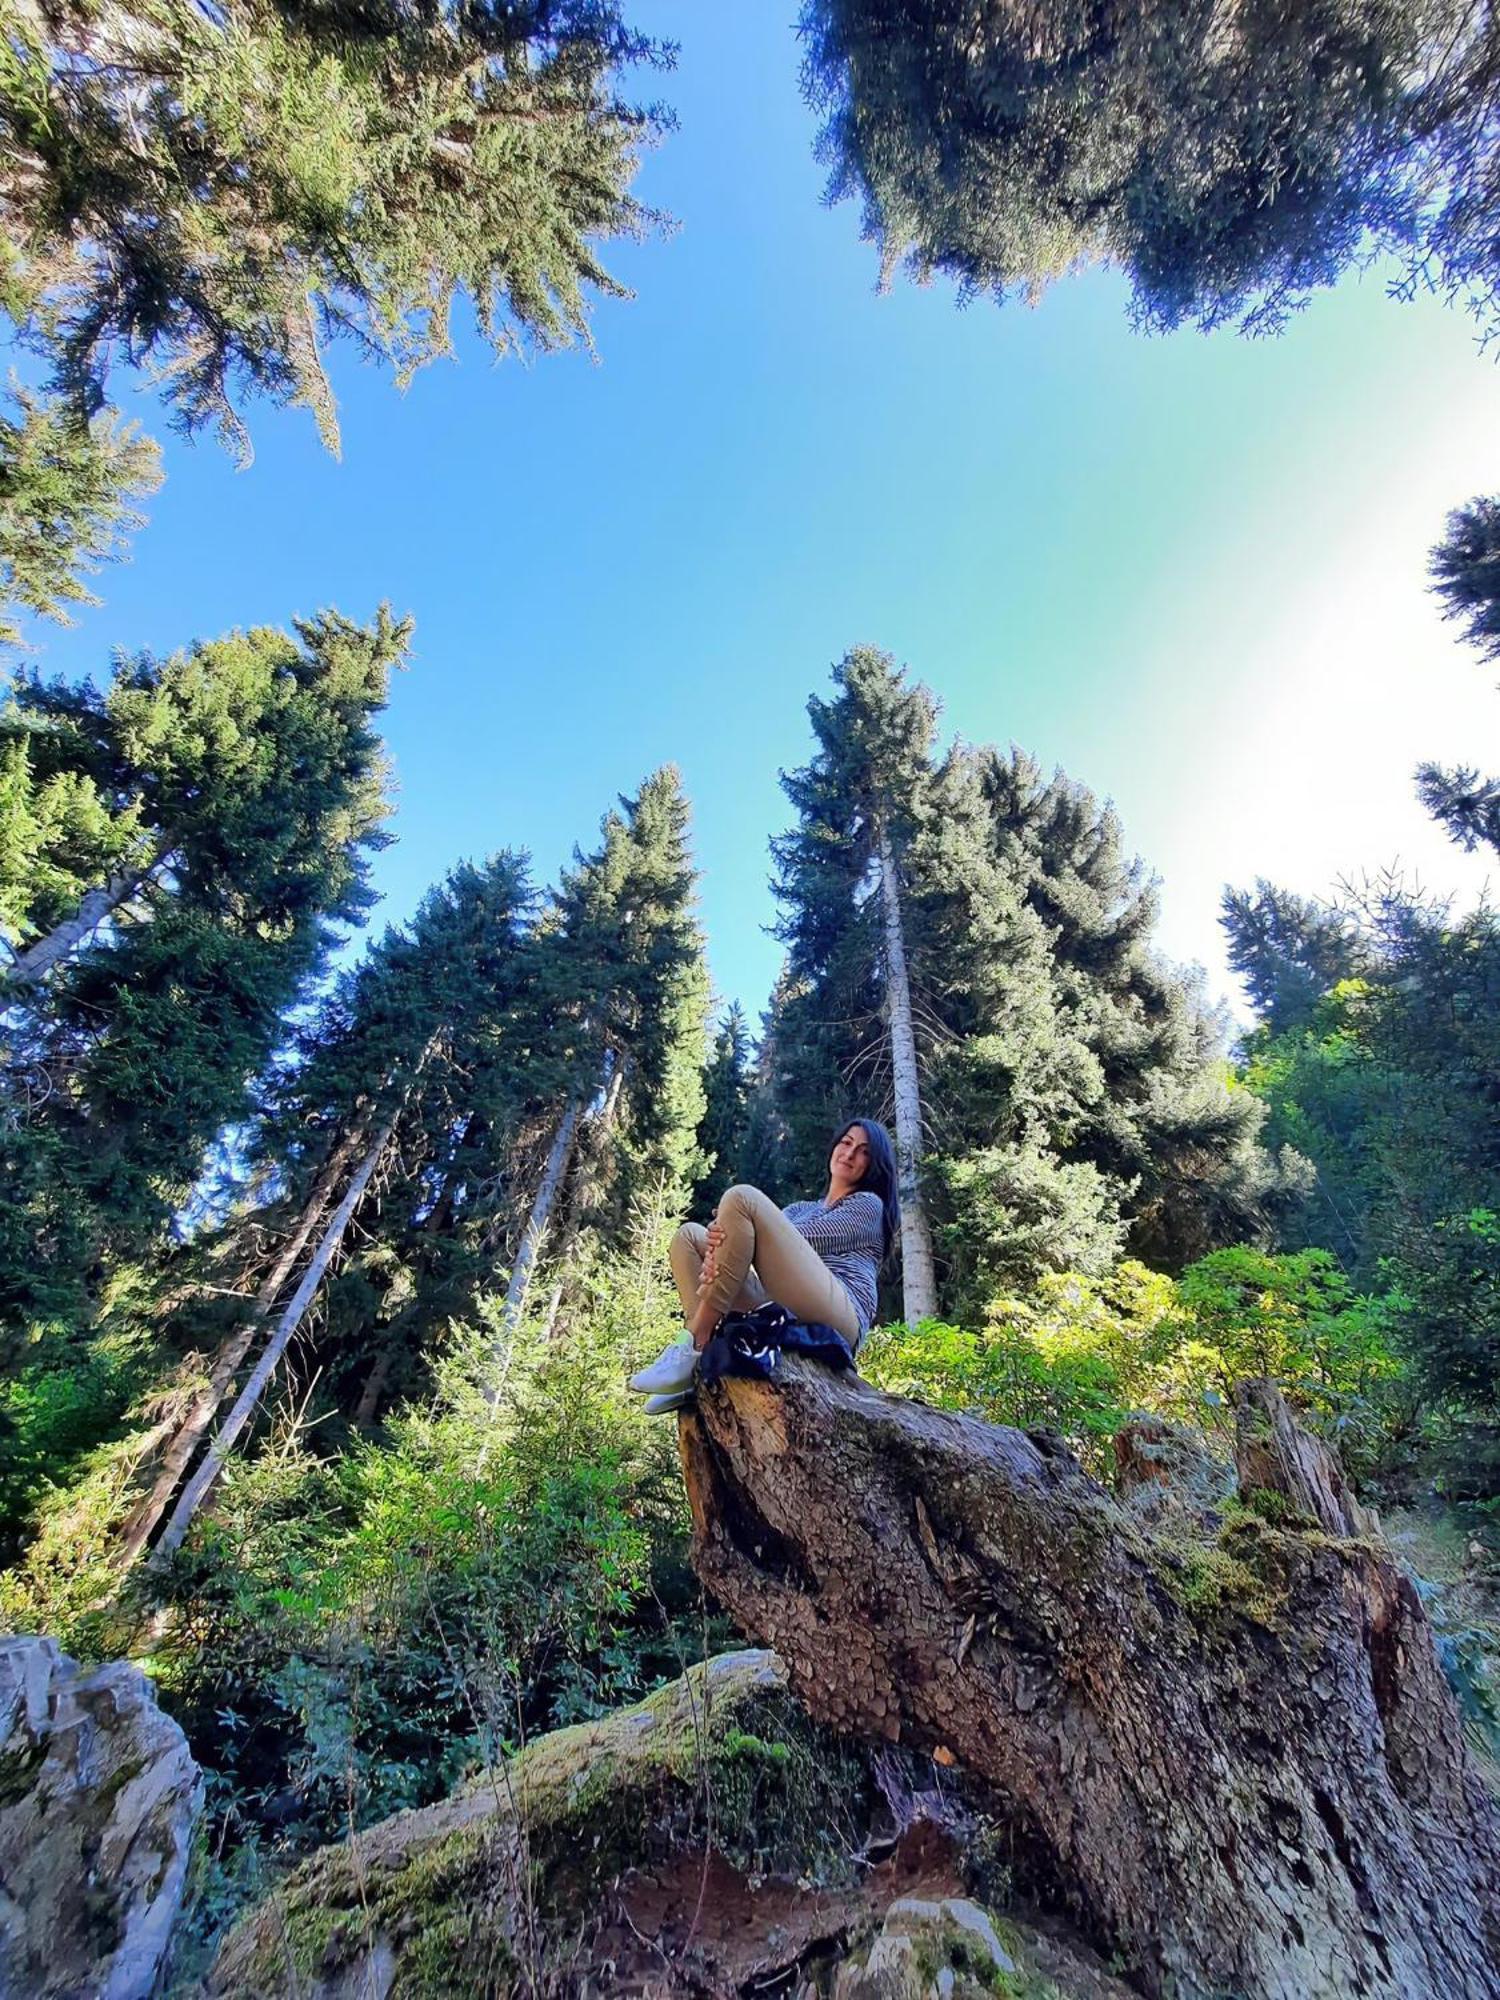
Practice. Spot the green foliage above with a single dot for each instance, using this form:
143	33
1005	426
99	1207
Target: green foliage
1297	1319
1446	1304
221	192
178	850
52	1412
68	494
1074	1356
1229	167
724	1129
1325	1090
1074	1086
351	1633
1388	1087
1078	1354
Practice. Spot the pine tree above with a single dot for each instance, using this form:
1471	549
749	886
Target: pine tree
726	1110
1465	570
227	799
632	985
840	876
1073	1089
1008	1079
1228	164
218	192
1464	804
408	1085
1125	1129
1288	950
68	501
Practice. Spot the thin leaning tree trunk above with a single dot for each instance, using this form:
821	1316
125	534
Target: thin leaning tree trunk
197	1488
31	967
205	1406
599	1128
918	1268
559	1155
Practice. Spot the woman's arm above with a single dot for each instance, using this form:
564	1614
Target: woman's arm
855	1223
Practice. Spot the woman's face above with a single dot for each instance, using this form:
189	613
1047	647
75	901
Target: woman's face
851	1156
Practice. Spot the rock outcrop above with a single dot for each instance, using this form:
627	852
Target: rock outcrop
709	1841
928	1951
1225	1745
98	1800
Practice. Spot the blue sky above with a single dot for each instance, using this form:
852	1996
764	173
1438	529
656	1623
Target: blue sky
1189	569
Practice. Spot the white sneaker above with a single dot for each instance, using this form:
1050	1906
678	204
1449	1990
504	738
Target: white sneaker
658	1406
673	1371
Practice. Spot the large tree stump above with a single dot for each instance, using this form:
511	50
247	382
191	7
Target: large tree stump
1233	1753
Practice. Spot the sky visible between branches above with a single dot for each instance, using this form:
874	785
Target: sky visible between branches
1191	570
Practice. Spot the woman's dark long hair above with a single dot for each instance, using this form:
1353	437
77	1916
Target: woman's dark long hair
880	1173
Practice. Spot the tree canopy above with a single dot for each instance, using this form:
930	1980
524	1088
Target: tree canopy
218	192
1229	161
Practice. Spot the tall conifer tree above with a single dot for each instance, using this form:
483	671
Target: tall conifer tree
632	985
1465	572
1162	1121
1228	162
841	878
69	494
188	840
1073	1091
221	191
409	1084
726	1109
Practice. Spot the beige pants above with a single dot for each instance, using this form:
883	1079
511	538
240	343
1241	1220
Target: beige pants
762	1257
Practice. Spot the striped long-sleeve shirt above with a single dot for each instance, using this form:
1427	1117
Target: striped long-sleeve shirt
850	1238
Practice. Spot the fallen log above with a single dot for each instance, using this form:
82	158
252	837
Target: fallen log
1229	1750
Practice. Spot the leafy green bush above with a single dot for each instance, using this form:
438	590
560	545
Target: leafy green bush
1070	1358
1080	1353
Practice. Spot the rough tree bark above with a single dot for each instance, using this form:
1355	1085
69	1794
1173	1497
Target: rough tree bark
918	1269
212	1462
1232	1754
204	1408
1274	1456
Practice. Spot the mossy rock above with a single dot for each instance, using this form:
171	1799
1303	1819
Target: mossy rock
491	1890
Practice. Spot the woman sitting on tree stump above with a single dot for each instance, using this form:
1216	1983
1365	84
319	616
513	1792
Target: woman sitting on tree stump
819	1259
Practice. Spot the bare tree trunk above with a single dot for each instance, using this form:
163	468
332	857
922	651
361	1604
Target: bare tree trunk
558	1156
197	1488
31	967
205	1406
918	1269
1232	1753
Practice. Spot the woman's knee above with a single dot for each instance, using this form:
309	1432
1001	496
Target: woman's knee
742	1199
690	1241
